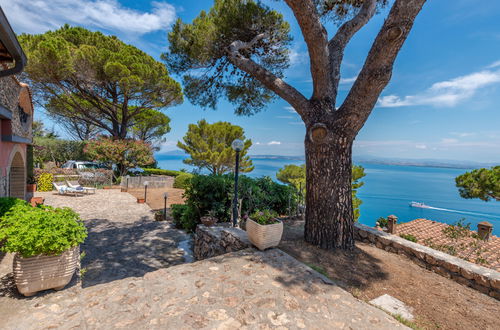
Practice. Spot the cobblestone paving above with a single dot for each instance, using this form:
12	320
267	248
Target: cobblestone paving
242	290
123	242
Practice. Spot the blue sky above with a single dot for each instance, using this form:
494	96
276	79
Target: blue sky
443	101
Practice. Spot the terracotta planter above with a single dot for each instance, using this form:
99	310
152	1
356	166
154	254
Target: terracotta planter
141	200
106	187
264	236
208	221
159	216
34	201
43	272
31	187
124	190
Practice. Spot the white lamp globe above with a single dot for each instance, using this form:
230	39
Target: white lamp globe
237	145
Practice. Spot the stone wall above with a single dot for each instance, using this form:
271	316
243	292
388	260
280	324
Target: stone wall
213	241
480	278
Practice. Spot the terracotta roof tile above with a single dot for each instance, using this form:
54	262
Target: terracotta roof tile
430	233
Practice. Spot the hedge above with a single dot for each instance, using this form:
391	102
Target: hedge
159	171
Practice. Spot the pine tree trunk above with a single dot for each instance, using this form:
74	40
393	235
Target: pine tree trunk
329	213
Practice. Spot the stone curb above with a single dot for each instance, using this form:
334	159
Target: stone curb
213	241
480	278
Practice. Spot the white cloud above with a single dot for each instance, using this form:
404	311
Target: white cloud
449	141
297	57
35	16
493	65
462	134
445	93
290	109
285	117
273	143
348	80
421	146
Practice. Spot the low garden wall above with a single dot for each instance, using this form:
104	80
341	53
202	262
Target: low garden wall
213	241
483	279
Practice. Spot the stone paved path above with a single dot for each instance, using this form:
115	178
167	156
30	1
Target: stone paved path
242	290
123	242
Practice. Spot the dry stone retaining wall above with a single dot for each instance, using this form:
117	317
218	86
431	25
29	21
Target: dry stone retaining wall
480	278
213	241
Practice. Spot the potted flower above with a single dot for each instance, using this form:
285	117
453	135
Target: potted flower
30	184
264	229
141	200
45	242
210	219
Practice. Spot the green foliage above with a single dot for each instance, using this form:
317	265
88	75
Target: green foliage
199	50
295	176
481	183
182	180
184	217
266	217
382	222
177	210
409	237
126	154
87	76
47	149
38	230
458	230
213	194
45	182
209	146
319	269
6	203
159	171
150	126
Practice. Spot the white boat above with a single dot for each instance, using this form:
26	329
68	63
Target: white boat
418	204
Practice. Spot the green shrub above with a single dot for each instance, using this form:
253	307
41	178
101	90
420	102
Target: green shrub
159	171
31	231
45	182
409	237
182	180
6	203
382	222
177	210
266	217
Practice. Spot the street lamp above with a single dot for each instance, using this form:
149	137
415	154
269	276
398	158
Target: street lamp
145	190
165	196
237	145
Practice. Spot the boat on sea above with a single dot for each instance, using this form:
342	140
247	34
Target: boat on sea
419	204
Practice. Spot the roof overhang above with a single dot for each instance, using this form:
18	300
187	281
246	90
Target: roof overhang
11	47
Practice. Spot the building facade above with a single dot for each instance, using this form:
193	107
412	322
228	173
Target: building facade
16	115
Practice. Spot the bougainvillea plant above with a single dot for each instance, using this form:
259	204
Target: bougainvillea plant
125	154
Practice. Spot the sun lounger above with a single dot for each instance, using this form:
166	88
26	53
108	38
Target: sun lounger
77	186
63	189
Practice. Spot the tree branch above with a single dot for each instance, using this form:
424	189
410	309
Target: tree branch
266	77
337	44
377	70
316	39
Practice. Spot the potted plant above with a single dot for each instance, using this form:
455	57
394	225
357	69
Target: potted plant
141	200
34	201
45	242
210	219
30	184
264	229
159	215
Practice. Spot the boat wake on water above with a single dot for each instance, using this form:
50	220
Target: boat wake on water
424	206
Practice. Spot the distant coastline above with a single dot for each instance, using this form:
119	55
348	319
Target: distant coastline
467	165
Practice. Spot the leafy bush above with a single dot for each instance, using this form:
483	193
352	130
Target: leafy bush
159	171
214	193
177	211
265	217
45	182
182	180
31	231
409	237
6	203
382	222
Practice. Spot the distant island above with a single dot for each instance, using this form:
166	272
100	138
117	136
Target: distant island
443	163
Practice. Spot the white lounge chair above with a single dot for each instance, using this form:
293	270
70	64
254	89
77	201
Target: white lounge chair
77	186
63	189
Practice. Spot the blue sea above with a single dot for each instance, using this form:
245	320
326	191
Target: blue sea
389	189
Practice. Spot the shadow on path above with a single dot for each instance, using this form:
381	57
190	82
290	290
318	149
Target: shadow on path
116	250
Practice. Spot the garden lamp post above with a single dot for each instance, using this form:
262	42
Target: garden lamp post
237	145
128	177
165	196
145	190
